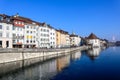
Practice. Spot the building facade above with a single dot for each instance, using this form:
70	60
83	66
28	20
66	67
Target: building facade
75	40
18	31
21	32
93	40
5	31
30	34
43	36
58	38
52	37
62	38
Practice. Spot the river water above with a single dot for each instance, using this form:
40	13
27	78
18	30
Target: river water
95	64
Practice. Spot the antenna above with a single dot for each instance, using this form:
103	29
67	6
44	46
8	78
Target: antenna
113	38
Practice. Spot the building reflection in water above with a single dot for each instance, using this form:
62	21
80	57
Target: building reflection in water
63	62
39	71
42	70
76	56
94	53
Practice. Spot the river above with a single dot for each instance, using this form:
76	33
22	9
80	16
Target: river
94	64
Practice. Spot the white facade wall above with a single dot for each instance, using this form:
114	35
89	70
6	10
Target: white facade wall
43	37
18	34
30	35
52	37
75	41
6	35
67	40
94	42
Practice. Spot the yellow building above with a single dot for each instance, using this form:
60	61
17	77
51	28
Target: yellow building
58	38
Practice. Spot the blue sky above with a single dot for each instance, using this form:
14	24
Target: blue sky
101	17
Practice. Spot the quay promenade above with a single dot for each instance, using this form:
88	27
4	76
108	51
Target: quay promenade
10	55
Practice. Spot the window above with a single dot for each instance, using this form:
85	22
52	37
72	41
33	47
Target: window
7	27
27	26
7	35
17	28
17	40
14	35
0	34
27	41
1	18
19	22
31	41
27	37
31	32
0	26
13	28
95	41
20	29
41	29
33	36
34	41
7	19
44	30
0	43
14	41
22	23
27	31
16	22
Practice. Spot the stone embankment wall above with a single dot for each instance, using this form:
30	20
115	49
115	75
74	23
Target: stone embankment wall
10	55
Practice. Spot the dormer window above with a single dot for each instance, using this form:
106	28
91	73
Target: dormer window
19	22
7	19
1	18
22	23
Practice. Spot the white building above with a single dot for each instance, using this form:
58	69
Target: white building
30	33
67	40
46	36
5	31
75	40
93	40
18	31
52	37
43	36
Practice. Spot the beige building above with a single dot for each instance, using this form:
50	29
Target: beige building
58	39
63	39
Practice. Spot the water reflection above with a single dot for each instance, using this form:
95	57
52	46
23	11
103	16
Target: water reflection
63	62
94	53
75	56
36	69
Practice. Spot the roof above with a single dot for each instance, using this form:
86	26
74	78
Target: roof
62	31
24	19
92	36
73	35
6	18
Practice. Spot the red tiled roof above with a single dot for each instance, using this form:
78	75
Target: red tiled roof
92	36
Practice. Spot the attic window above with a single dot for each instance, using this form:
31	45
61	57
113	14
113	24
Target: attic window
33	23
0	26
1	18
7	19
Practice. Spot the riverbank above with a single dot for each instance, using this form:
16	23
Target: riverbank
10	55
